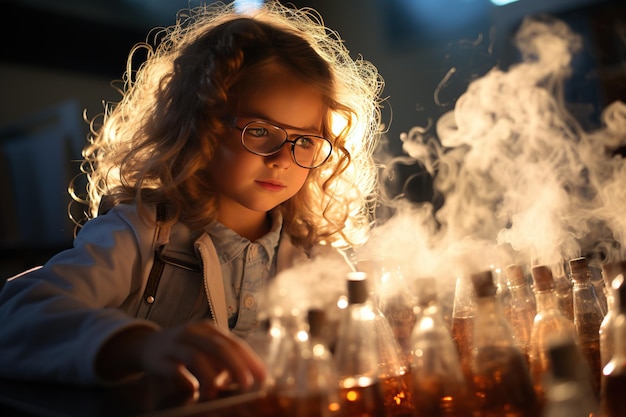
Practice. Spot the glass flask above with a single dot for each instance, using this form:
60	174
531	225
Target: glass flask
613	393
397	303
501	384
588	316
563	289
550	323
439	386
306	385
523	307
462	325
356	353
504	292
568	391
609	272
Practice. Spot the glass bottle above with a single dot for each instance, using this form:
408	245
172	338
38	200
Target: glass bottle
563	290
504	292
462	325
523	307
356	355
501	384
307	385
393	368
397	303
588	318
609	272
567	386
439	386
613	398
550	323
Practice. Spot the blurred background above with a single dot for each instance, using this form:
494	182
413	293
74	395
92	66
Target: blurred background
59	58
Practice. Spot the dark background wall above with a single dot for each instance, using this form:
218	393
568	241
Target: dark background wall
60	58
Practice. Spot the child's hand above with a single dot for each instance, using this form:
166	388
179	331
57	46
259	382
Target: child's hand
198	357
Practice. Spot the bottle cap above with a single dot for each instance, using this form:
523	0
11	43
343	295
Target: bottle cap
542	277
564	357
483	283
578	267
357	287
515	275
317	320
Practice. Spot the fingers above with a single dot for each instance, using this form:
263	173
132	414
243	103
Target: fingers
229	353
202	358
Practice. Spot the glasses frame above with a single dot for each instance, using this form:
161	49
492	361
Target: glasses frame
286	140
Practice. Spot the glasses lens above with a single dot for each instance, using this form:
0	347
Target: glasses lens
263	138
311	151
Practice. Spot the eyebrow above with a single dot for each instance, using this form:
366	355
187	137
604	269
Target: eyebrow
309	129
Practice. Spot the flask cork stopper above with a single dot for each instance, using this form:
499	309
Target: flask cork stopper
357	287
484	284
542	277
515	275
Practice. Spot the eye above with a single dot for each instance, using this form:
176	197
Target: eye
305	142
257	131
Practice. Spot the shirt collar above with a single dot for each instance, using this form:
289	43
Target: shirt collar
229	244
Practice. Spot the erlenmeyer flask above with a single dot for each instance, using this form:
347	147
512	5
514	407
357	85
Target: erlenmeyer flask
365	337
356	354
609	272
612	398
397	304
501	384
567	386
307	384
462	326
439	386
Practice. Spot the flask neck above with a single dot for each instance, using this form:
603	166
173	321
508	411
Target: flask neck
546	300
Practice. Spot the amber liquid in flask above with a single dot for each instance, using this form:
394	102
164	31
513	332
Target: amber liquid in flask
462	323
523	307
439	385
588	317
501	380
613	392
356	354
550	323
361	397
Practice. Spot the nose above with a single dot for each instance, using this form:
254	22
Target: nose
281	159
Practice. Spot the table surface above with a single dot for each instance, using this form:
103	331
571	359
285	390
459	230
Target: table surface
137	399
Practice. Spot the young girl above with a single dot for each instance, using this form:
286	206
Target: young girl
242	144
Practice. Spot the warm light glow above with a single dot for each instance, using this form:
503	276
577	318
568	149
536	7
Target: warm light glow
318	349
342	302
302	336
352	396
338	123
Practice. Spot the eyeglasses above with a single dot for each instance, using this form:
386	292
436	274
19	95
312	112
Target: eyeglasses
265	139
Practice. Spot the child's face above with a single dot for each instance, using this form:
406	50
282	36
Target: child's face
248	182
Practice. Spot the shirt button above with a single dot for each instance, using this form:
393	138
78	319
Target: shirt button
248	302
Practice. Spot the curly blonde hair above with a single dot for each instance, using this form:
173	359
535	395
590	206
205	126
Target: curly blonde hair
154	145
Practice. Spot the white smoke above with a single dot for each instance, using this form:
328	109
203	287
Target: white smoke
521	179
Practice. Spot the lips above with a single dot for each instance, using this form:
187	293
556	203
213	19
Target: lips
271	185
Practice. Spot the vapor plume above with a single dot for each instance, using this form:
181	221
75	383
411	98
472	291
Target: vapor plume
520	179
